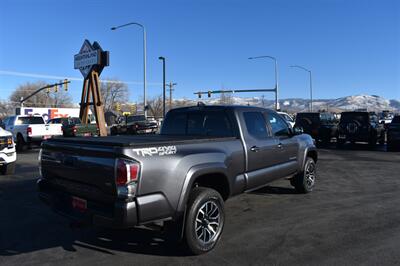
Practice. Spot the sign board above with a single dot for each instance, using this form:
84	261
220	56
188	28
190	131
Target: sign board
48	113
90	57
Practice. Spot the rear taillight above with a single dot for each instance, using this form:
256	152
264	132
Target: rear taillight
74	129
126	178
127	172
29	131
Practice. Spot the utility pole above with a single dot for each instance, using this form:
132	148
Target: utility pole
171	88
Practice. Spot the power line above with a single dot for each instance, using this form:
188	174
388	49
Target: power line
45	76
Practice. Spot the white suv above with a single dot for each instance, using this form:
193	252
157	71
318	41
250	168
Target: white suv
8	156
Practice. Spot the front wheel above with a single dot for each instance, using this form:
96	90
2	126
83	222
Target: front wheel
8	169
204	221
20	143
304	182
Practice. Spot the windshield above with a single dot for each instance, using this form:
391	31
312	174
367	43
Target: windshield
136	118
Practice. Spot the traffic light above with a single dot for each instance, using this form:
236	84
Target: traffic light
209	94
48	90
65	84
199	94
55	88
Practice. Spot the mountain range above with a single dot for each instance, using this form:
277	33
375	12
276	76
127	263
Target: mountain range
348	103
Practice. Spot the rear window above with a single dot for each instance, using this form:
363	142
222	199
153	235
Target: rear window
310	118
198	123
29	120
349	117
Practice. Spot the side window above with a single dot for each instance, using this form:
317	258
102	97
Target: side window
255	124
278	126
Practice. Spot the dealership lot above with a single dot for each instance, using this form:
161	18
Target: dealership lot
352	217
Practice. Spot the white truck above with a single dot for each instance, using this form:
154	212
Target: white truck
30	129
8	156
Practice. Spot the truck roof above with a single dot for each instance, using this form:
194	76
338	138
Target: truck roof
218	107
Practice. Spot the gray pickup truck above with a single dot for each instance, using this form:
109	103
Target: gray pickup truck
179	178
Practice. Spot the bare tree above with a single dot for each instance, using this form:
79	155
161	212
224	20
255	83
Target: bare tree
114	92
6	109
156	106
43	98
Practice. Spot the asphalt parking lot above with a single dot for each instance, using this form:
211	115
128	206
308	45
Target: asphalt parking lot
352	218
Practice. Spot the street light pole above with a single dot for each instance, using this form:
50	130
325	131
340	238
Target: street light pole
311	90
276	77
144	61
163	61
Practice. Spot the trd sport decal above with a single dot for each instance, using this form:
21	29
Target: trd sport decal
160	151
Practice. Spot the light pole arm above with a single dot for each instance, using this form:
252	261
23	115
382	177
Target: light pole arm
276	77
311	90
144	61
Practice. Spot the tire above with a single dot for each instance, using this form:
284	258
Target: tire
340	142
20	143
8	169
372	142
304	182
205	212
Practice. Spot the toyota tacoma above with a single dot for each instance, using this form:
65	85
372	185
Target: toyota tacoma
179	178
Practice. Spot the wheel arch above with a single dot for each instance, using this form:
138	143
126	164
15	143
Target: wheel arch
207	175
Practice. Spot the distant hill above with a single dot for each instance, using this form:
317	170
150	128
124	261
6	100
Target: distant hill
369	102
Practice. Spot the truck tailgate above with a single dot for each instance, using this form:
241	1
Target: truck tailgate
54	129
80	170
38	130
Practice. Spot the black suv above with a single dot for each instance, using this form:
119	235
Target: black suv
321	126
360	127
134	124
393	134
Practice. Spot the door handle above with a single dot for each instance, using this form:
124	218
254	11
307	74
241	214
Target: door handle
255	149
280	145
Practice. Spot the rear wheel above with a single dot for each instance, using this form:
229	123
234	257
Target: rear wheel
304	182
204	220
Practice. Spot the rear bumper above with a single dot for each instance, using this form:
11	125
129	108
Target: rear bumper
119	214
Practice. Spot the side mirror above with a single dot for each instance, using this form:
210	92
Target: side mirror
297	130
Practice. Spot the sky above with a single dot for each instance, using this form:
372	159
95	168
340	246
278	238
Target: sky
351	47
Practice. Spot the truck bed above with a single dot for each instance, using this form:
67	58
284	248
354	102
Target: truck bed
136	141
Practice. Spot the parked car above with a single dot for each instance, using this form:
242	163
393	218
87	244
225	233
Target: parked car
8	155
321	126
180	177
360	127
385	118
393	134
287	118
134	124
73	127
30	130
